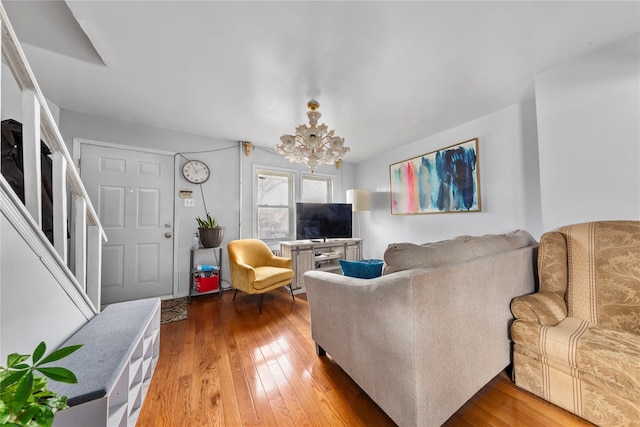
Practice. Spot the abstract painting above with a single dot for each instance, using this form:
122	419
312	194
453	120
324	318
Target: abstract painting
446	180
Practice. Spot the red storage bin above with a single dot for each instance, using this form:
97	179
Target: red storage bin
206	284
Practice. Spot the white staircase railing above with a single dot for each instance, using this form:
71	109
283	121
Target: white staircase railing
38	124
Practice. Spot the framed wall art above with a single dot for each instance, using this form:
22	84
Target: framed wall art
446	180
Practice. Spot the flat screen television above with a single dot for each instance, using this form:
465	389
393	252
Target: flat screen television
316	221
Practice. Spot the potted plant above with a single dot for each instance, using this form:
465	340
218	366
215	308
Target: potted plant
211	233
24	398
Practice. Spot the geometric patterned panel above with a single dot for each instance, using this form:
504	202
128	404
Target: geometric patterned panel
113	165
148	169
148	263
114	257
111	204
148	207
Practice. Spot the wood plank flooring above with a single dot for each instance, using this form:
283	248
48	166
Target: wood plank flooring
229	366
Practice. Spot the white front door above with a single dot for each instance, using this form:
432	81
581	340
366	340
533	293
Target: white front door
132	192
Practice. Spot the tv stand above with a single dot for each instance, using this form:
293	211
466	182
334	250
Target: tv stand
318	254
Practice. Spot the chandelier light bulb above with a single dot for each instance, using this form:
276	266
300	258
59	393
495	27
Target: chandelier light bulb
313	144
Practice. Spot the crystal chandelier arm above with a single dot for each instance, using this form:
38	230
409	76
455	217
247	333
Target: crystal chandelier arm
313	145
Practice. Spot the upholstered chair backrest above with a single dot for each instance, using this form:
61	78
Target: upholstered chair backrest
597	268
253	252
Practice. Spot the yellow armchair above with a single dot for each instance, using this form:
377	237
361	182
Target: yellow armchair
255	269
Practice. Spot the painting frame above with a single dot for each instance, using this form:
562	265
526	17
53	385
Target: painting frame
446	180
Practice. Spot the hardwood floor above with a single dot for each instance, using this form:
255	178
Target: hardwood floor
229	366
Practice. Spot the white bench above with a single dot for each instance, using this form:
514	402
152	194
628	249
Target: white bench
114	366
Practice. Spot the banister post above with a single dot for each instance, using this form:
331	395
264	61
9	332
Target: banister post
80	241
94	265
1	73
60	205
31	155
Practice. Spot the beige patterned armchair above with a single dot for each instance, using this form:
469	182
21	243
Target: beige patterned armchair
577	340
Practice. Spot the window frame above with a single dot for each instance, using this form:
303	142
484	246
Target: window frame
328	179
291	176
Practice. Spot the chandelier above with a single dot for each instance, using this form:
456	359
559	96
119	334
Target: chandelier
313	145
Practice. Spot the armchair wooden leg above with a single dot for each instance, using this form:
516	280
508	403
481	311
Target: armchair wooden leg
261	297
234	295
291	289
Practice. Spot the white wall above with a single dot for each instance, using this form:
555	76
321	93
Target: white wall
225	194
12	99
33	306
589	136
508	184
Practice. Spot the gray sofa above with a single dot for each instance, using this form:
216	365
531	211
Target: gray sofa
423	338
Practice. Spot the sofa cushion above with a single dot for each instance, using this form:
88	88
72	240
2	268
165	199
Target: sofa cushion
365	269
574	344
405	256
611	355
267	276
603	274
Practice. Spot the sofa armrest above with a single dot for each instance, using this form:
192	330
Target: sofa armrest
338	303
368	327
364	323
545	308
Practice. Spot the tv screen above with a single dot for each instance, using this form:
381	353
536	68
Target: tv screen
323	220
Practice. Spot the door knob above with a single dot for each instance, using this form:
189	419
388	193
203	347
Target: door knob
168	234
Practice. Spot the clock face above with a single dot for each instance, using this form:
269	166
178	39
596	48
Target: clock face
195	171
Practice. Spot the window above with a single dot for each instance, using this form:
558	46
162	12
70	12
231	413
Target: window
274	204
316	189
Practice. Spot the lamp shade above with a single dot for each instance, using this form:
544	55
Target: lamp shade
360	199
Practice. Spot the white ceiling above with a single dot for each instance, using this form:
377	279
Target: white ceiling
385	73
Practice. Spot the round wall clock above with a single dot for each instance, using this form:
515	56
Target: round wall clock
195	171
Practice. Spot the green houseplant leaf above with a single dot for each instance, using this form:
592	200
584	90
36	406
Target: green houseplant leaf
15	359
39	352
45	415
60	353
5	413
11	378
24	398
23	392
207	222
62	375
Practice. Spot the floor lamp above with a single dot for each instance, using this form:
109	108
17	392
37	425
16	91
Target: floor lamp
360	199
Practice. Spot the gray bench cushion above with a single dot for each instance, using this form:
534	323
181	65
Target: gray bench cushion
108	341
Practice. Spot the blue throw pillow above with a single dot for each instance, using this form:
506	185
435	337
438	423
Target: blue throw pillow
365	269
